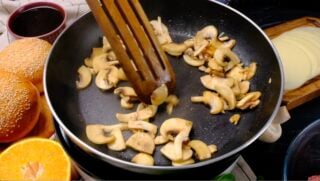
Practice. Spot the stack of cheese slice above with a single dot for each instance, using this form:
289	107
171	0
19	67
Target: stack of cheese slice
299	51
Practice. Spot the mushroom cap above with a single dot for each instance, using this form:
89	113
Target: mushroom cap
141	142
174	126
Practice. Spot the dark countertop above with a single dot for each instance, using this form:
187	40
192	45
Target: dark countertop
267	160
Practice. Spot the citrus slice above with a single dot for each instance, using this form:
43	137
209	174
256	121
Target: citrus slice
35	159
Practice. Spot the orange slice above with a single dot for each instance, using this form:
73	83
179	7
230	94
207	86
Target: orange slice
35	159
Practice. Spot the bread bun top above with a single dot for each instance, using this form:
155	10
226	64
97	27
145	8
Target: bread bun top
19	106
26	58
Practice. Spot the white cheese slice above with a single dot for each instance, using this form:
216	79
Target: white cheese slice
312	52
297	70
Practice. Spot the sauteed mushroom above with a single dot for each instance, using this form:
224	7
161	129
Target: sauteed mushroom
202	150
143	159
142	142
211	99
84	77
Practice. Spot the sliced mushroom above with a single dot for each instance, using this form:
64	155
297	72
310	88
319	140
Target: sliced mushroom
172	101
126	103
174	49
205	34
193	61
159	140
182	163
100	62
211	99
211	82
161	31
141	142
250	100
223	37
101	134
189	42
212	64
213	148
107	79
204	69
143	114
168	151
250	71
229	44
226	58
142	125
201	149
234	119
118	144
111	56
173	126
159	95
143	159
227	93
96	52
88	62
84	77
244	87
125	92
237	73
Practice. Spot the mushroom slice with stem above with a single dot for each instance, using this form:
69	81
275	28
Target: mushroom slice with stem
211	82
202	150
250	100
141	142
95	53
182	163
191	59
159	95
143	114
174	49
127	95
143	125
118	144
101	134
227	93
226	58
159	140
172	101
168	151
107	79
202	37
143	159
211	99
161	31
84	77
173	126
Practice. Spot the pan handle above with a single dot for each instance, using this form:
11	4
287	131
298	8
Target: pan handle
274	131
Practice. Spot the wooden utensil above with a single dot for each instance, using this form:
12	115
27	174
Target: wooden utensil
140	54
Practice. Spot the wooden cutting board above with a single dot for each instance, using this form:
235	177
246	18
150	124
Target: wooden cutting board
310	89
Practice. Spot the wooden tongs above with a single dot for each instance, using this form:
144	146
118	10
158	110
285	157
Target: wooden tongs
142	58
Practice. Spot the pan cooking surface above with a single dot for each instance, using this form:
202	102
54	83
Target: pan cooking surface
76	108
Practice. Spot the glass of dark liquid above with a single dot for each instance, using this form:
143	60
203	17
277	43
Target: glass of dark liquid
44	20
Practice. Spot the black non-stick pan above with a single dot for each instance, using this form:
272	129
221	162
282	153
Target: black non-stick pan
74	109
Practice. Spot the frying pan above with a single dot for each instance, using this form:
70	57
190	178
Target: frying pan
74	109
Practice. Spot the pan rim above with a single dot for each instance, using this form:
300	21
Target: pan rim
116	161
